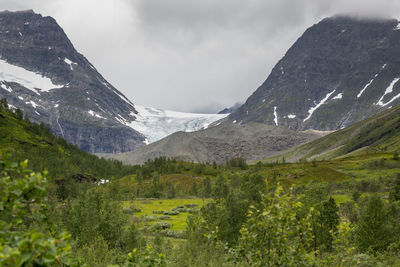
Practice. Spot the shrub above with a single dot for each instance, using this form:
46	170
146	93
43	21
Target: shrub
161	226
171	212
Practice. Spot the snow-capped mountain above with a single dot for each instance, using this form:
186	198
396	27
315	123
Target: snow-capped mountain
338	72
42	74
156	124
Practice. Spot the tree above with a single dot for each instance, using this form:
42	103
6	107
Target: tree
19	114
395	191
3	103
21	196
373	230
274	235
329	221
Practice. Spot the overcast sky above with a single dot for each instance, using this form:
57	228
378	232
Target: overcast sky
190	55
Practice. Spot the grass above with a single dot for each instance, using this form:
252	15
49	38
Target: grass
178	222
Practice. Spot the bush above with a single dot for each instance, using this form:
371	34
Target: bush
191	205
161	226
148	218
171	212
164	217
158	212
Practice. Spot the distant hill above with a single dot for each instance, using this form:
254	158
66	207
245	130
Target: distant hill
251	141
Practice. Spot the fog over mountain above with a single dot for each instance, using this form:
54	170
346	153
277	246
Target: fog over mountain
197	56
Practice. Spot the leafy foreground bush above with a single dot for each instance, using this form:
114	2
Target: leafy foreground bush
21	201
273	235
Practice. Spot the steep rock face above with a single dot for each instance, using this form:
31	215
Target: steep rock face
338	72
42	74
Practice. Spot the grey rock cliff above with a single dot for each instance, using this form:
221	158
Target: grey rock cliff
338	72
84	108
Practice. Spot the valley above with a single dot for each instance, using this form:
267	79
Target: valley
306	172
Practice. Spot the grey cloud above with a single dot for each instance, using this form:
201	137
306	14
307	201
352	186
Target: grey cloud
191	55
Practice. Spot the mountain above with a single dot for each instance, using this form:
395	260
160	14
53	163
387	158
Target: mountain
378	134
227	140
42	73
235	107
340	71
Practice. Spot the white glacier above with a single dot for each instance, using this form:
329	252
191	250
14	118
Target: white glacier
26	78
156	124
312	109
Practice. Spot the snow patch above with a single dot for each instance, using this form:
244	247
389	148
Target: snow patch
28	79
56	105
388	90
34	105
291	116
156	124
338	96
369	83
70	63
275	116
312	109
99	116
365	87
397	26
103	181
5	87
20	98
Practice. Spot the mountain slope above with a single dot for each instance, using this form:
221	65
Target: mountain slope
378	134
218	143
43	74
338	72
21	139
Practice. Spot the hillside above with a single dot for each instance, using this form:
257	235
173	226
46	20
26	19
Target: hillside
340	71
21	139
378	134
251	141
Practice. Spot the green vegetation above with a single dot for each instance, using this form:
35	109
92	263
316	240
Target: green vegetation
338	212
378	134
21	139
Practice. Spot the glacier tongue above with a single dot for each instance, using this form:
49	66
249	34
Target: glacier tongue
156	124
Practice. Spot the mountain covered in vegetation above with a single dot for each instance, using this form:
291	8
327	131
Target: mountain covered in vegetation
21	139
340	71
378	134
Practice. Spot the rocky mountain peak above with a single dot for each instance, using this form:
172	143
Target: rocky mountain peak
42	73
341	70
